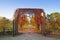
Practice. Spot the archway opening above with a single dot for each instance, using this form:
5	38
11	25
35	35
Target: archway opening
28	23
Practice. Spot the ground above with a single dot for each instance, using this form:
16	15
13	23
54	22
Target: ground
29	36
30	28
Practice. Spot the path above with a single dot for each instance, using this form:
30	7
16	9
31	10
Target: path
29	29
29	36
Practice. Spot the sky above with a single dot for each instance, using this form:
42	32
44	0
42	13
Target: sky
8	7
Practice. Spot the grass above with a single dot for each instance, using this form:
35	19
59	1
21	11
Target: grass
6	35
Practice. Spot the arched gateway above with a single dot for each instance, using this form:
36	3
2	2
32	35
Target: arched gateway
29	20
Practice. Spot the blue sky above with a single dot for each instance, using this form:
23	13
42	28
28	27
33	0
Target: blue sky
8	7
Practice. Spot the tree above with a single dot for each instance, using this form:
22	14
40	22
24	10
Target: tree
54	20
5	24
33	22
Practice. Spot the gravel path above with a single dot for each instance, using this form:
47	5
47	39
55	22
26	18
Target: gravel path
29	36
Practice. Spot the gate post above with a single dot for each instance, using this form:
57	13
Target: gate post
15	25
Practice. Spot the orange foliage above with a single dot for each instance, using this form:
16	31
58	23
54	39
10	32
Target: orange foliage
52	23
25	20
33	21
22	20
